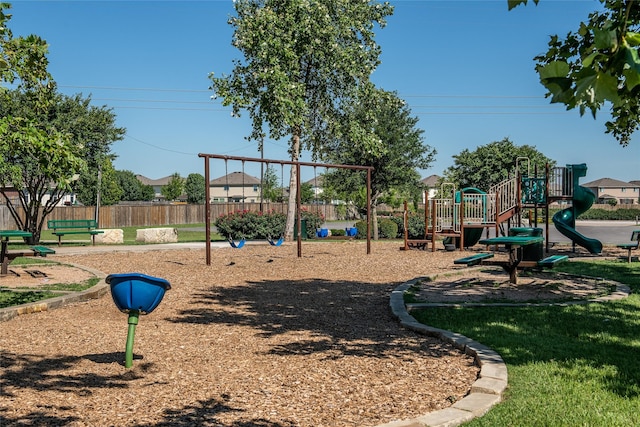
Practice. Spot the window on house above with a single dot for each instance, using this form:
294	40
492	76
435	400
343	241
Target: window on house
255	187
225	188
623	190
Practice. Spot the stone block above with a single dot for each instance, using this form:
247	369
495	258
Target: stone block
112	236
157	235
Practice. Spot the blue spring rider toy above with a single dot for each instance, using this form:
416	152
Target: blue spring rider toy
135	294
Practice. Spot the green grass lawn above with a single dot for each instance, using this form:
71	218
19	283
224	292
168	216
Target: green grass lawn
568	366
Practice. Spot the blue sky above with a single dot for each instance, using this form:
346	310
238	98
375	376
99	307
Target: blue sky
464	67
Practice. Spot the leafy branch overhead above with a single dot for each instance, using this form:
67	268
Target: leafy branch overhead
597	64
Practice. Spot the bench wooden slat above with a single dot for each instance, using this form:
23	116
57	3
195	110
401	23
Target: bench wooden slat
42	250
473	259
552	260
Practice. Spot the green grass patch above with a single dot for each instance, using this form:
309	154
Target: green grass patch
10	298
15	296
575	365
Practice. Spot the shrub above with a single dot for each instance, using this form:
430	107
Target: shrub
398	219
251	225
314	221
416	225
338	232
362	229
387	229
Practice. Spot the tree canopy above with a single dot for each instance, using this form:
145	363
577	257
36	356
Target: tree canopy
301	60
132	189
174	187
401	150
195	188
596	65
490	164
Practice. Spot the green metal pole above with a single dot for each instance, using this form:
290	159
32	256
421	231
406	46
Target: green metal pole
133	322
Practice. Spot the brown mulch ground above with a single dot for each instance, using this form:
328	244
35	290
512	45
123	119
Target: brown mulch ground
259	338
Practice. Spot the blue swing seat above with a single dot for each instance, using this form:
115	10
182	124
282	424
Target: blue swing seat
238	245
276	243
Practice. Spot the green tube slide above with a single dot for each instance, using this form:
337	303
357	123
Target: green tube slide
565	220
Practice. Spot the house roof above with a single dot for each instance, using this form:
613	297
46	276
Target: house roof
316	181
235	179
431	181
608	183
148	181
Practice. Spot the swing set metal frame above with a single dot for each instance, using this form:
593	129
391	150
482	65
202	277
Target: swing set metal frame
297	165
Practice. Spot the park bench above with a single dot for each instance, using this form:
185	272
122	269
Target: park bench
635	242
473	259
552	260
61	227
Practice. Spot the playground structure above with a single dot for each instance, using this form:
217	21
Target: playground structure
461	217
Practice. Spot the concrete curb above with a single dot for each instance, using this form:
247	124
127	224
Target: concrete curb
96	291
486	391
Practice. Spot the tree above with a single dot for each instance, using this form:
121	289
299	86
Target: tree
132	189
110	191
598	64
301	60
402	151
195	188
35	161
490	164
79	133
307	195
174	187
270	190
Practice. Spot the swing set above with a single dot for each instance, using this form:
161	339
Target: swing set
297	164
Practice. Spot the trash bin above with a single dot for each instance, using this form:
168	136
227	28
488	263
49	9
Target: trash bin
303	232
534	252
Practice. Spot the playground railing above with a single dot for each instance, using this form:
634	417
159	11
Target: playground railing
479	208
446	211
560	182
507	192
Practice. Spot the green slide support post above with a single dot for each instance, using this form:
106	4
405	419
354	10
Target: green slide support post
133	322
565	220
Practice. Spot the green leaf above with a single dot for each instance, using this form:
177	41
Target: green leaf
554	69
633	39
632	58
606	88
605	39
632	78
586	62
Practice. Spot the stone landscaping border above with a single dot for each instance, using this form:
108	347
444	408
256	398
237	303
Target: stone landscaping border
96	291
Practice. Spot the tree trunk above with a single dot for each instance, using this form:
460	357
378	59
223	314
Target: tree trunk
374	222
293	180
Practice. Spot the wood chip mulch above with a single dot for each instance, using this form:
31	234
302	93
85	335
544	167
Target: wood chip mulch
259	338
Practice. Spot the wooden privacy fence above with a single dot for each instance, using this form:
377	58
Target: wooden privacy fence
119	216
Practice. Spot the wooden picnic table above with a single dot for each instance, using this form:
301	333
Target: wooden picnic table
514	245
5	256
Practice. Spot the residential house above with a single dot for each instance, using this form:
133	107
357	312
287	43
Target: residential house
235	187
431	186
157	185
606	189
